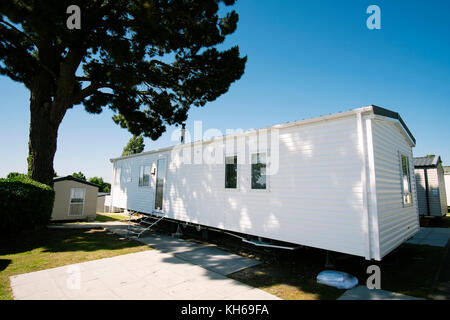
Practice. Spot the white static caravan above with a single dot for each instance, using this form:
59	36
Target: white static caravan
342	182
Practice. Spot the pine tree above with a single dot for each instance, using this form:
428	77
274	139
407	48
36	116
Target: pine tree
147	60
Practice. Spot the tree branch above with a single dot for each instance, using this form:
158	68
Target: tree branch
155	61
82	78
89	90
18	31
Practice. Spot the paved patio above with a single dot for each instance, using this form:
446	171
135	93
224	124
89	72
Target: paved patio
207	256
175	269
144	275
363	293
431	236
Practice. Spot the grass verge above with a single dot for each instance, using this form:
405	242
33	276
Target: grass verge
436	222
105	217
50	248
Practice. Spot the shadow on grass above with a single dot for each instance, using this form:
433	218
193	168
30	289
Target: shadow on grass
435	222
64	240
4	263
409	270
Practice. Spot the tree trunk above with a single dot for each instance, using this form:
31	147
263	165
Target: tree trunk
44	123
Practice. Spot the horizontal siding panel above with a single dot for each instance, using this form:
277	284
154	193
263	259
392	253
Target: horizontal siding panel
396	222
315	198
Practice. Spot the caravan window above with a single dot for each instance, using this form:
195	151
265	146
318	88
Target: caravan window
406	180
117	176
259	171
231	172
126	175
144	176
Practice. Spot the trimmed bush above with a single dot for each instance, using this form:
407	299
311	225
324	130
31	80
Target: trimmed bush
24	204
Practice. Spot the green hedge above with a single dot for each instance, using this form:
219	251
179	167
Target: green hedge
24	204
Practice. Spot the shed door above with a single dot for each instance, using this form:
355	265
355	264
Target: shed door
160	179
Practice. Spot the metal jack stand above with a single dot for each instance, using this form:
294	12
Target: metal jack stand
178	233
330	261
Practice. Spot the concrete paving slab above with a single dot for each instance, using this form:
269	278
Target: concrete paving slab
87	225
437	237
156	275
205	255
216	260
177	269
441	230
363	293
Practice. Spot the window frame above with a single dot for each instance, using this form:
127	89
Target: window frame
409	180
127	175
164	188
225	173
251	172
70	202
118	176
149	176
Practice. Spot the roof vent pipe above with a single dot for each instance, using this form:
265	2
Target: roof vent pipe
183	132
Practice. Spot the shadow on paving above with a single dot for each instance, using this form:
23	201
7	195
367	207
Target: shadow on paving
63	240
204	255
408	270
441	289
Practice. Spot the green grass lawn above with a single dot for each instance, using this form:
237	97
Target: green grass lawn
105	217
443	222
49	248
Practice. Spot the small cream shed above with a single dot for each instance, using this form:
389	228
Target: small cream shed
75	199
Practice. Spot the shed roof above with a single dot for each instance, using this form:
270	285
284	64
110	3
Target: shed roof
103	194
75	179
431	161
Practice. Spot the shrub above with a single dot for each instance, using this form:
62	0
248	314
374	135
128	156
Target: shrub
24	204
12	175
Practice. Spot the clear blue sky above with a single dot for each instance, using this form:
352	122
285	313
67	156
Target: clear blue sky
305	59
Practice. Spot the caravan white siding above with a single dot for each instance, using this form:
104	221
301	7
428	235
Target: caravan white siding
323	194
397	222
314	199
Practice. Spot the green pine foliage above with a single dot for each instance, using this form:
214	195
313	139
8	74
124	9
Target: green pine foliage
79	175
135	145
148	61
104	186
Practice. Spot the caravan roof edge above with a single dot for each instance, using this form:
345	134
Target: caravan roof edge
370	108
